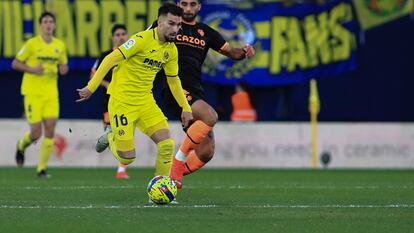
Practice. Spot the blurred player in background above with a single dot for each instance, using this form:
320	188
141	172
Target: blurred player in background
119	36
132	103
40	59
193	42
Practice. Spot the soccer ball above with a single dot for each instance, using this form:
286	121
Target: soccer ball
162	190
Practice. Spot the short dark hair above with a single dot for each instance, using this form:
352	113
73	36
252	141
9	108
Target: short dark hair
170	8
118	26
46	13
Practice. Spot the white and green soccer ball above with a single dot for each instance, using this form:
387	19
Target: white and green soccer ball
162	190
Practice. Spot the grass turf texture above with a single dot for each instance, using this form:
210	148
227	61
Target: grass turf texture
92	200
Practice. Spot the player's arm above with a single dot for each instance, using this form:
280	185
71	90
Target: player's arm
108	62
19	62
246	51
21	66
63	61
63	69
95	66
219	44
171	72
176	89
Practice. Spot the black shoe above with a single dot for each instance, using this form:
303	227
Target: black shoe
19	157
43	174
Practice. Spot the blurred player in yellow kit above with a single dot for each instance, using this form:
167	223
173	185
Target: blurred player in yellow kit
119	36
132	103
41	58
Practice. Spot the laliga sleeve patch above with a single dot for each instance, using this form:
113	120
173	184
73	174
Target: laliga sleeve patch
129	44
21	50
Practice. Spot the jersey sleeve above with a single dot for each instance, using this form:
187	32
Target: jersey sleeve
133	46
216	39
63	59
171	67
24	52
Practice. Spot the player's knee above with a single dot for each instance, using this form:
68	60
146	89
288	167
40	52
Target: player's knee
127	154
210	118
207	155
126	157
36	134
166	147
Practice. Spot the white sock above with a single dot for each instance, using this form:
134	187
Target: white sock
121	169
180	156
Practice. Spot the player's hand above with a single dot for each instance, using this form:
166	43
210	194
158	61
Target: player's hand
37	70
248	50
186	118
63	69
84	94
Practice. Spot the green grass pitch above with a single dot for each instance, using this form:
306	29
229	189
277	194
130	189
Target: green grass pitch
231	200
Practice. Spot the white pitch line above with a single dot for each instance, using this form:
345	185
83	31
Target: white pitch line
238	187
352	206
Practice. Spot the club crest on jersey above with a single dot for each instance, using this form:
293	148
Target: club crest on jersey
200	31
166	55
121	132
129	44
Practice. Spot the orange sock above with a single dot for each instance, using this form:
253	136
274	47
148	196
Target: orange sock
193	163
195	134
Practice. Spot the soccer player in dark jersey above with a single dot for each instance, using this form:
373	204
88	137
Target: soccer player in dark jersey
119	36
193	42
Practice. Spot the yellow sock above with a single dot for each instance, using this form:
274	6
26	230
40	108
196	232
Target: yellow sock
25	141
46	150
164	157
114	151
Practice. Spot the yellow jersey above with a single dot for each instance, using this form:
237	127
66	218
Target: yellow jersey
37	52
145	55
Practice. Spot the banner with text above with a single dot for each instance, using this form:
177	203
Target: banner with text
293	44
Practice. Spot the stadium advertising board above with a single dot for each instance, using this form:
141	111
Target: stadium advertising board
259	145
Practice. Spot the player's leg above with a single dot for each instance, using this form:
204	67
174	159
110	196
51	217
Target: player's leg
121	139
204	152
205	118
33	116
47	146
154	124
121	172
103	143
50	115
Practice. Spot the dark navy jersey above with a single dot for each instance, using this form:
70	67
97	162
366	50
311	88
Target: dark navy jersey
193	43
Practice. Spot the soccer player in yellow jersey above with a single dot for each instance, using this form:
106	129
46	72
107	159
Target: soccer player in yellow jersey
132	103
41	58
119	36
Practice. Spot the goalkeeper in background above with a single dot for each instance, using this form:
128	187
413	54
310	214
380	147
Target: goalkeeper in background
119	36
40	59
